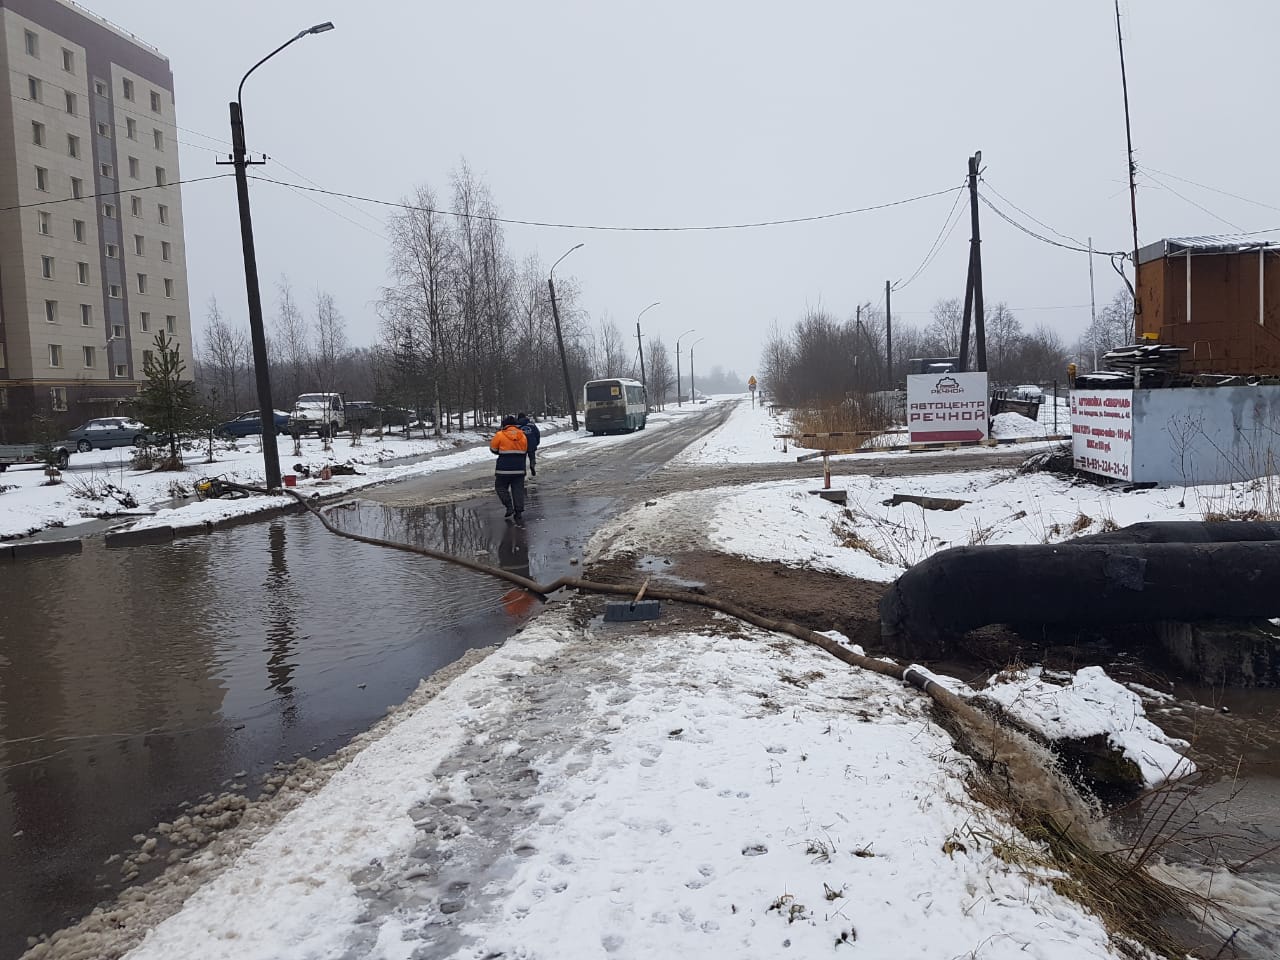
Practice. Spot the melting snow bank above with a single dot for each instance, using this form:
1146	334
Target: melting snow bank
578	793
1091	704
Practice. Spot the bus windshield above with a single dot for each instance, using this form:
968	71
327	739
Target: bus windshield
604	392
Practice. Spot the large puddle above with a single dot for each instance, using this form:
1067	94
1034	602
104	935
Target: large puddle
135	681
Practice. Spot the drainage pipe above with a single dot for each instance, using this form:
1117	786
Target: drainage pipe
935	602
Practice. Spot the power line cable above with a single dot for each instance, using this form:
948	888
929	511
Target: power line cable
1041	237
116	193
1059	233
493	218
938	241
1203	209
1205	186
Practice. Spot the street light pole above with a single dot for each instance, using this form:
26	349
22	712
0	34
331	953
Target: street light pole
678	339
693	390
640	343
240	160
555	315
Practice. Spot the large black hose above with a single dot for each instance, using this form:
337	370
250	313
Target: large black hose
1082	582
1187	531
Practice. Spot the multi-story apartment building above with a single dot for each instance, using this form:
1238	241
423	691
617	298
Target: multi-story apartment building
92	260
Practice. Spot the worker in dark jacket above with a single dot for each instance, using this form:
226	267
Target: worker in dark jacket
511	445
534	436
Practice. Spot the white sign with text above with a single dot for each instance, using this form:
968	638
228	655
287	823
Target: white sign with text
1102	432
947	407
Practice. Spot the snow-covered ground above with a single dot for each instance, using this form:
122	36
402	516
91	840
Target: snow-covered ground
592	791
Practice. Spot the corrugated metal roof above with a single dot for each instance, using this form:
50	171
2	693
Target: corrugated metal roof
1199	246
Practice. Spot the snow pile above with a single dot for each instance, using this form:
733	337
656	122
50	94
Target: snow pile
678	795
1092	704
1013	426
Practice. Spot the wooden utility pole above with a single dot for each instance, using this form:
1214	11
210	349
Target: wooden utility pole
975	266
888	335
1133	175
643	382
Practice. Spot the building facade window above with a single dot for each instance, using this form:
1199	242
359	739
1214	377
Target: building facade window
86	315
166	250
109	211
46	267
77	230
51	311
131	128
113	252
42	179
144	321
34	89
157	135
139	245
126	86
33	43
163	211
90	356
147	357
161	177
44	220
58	397
99	88
135	206
142	283
117	331
104	130
72	105
122	370
171	324
68	60
73	145
168	287
107	170
55	354
77	187
133	167
155	101
113	291
37	133
82	272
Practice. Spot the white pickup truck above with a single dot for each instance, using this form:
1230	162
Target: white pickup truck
318	413
32	453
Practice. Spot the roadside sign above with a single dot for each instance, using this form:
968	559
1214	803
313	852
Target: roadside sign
947	407
1102	432
751	384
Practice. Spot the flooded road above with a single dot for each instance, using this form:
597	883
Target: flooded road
134	682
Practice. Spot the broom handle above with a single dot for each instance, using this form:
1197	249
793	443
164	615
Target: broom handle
643	587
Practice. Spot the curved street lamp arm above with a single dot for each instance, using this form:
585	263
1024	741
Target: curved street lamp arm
318	28
647	309
552	272
683	335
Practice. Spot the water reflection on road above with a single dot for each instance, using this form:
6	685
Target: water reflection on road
133	681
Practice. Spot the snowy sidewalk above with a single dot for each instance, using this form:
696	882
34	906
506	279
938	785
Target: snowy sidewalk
578	795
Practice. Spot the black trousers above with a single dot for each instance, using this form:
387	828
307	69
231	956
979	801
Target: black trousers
533	462
510	489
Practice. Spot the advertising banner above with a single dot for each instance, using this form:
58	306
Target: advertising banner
1102	432
946	407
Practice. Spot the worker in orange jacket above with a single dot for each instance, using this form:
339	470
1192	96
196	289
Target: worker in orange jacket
511	446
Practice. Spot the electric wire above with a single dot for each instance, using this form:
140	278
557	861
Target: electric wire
1041	237
116	193
1205	186
1185	199
1059	233
613	228
947	227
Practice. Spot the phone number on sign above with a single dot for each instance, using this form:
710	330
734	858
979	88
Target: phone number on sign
1108	468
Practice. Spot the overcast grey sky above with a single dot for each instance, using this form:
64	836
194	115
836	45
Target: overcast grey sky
698	112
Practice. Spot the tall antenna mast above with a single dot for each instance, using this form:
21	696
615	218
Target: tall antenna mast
1133	173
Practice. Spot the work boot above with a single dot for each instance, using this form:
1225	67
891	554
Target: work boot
519	516
507	515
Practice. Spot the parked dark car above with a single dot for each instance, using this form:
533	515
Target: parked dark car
106	432
249	424
367	415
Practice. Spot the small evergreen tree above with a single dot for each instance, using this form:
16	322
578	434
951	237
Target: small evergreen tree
168	404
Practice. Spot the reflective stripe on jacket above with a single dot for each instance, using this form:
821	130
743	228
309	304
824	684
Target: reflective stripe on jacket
510	444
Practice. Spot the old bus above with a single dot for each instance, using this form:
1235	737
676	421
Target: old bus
615	404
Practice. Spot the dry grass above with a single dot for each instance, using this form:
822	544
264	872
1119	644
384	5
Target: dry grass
856	414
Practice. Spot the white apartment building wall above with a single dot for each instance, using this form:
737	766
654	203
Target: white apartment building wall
86	104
